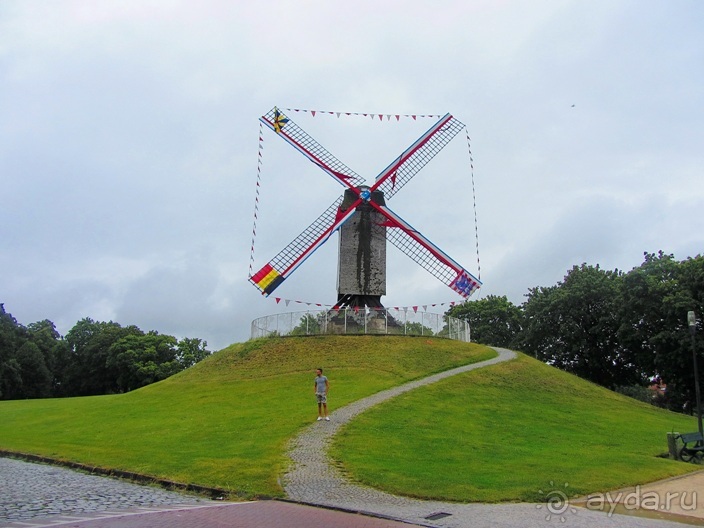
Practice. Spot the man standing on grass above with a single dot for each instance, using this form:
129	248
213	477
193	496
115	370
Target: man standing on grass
321	386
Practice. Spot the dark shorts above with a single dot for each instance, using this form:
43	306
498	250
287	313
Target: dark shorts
322	398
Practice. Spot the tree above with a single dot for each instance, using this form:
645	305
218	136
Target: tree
94	358
574	326
190	351
35	377
653	308
492	320
48	340
90	342
26	358
309	325
11	339
418	329
140	360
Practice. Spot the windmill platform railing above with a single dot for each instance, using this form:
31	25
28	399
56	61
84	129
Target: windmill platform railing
386	321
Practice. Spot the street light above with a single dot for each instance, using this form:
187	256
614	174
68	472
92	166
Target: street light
692	322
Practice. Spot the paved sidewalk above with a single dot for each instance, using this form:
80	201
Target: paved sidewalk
678	498
262	514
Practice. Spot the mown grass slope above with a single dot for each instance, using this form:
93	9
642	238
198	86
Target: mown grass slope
225	422
515	431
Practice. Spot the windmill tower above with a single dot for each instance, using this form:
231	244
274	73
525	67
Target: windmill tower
361	268
364	220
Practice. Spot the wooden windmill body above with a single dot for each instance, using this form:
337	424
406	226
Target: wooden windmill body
361	268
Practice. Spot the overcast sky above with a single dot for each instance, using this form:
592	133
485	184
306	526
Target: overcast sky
129	141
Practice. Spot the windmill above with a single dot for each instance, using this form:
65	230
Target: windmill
364	220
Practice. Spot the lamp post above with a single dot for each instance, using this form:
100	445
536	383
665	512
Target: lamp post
692	322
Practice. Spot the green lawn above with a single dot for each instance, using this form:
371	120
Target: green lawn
506	432
225	422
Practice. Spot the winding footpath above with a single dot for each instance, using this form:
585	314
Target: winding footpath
313	479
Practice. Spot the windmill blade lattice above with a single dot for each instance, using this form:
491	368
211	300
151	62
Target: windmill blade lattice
454	276
419	157
288	259
286	128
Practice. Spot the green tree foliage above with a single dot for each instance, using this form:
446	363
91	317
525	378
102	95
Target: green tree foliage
45	336
190	351
36	377
574	326
493	320
94	358
418	329
12	336
309	325
89	346
655	300
621	329
27	357
140	359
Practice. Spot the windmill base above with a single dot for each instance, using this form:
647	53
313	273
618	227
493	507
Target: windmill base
351	300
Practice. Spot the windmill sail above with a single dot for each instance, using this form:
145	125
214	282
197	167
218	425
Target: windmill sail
456	277
299	139
269	277
428	256
415	157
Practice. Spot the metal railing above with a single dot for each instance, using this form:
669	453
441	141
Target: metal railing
391	321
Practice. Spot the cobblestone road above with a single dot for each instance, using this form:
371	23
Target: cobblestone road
30	491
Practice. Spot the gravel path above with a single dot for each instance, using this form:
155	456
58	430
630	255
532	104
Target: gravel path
314	480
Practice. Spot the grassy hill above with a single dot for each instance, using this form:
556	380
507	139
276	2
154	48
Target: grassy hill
505	432
513	432
225	422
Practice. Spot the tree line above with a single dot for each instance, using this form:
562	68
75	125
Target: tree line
618	329
93	358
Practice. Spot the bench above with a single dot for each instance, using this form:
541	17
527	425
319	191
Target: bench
693	446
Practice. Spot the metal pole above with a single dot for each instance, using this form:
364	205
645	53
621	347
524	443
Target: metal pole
696	384
692	320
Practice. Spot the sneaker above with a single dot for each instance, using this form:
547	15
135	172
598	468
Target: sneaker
320	418
327	418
